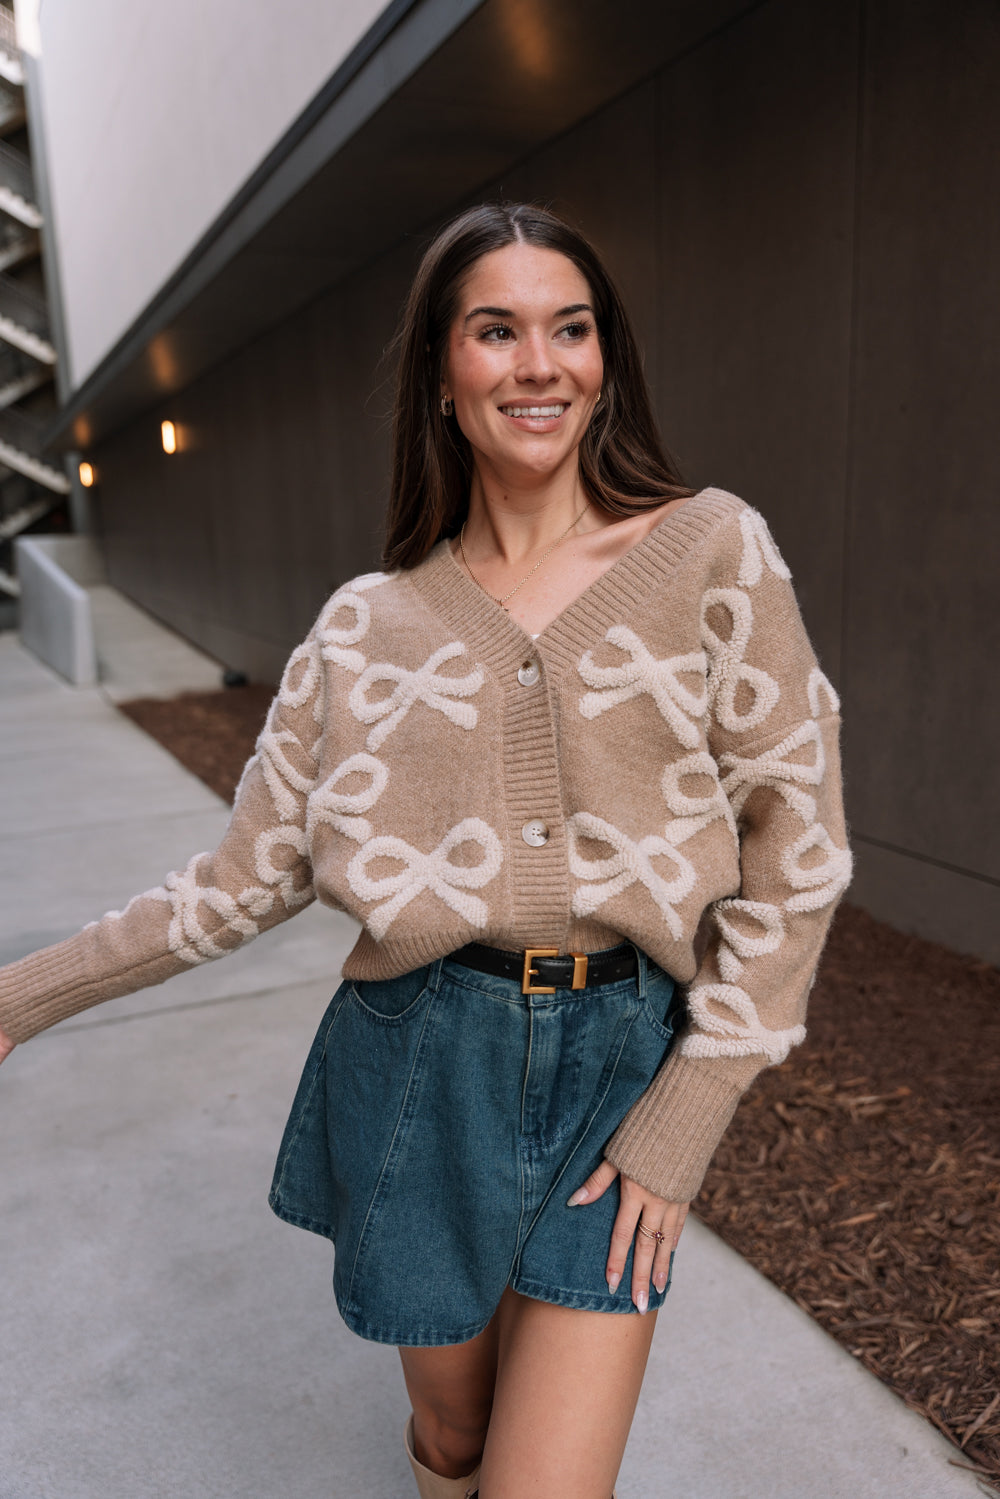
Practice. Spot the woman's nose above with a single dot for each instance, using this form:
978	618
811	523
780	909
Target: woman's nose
537	362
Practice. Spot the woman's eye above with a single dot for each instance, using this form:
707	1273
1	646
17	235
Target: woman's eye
576	331
496	333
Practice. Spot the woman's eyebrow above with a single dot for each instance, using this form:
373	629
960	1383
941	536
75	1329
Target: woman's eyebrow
490	312
506	312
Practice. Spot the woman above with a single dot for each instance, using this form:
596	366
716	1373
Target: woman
573	747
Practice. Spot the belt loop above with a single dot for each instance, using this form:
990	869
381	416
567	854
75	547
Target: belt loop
434	975
641	965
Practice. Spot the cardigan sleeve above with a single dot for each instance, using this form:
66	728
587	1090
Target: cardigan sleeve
774	734
258	876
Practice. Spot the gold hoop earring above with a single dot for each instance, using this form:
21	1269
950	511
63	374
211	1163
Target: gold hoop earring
447	406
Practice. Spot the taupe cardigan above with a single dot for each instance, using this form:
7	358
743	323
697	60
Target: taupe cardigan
662	759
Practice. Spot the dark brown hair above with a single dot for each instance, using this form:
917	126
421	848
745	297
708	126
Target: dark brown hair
623	465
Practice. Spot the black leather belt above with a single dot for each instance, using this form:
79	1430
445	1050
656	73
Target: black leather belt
543	970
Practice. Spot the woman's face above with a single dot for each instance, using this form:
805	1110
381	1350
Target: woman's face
523	363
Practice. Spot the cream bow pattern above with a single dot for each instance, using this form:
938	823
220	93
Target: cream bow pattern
740	1033
341	809
775	768
677	704
187	935
820	883
692	813
337	641
737	943
434	871
727	668
629	863
423	685
758	549
300	681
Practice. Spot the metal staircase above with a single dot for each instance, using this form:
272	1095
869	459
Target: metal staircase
33	484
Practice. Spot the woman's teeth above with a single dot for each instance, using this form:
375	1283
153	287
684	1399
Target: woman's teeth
556	410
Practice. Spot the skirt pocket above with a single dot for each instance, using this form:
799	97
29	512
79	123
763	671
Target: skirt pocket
346	1121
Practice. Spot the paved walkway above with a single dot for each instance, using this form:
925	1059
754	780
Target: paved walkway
162	1335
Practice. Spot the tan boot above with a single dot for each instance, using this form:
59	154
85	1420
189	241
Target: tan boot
432	1485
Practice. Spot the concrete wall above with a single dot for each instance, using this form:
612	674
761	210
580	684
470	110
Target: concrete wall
801	213
154	116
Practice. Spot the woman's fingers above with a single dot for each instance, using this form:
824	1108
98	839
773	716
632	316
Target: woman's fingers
650	1226
595	1186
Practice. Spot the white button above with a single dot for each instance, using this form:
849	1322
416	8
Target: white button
528	674
535	832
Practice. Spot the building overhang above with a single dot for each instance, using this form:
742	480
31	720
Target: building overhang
440	97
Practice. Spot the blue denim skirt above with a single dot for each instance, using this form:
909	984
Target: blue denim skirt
443	1119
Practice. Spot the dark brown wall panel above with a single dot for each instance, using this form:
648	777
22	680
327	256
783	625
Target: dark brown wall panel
756	151
923	629
602	177
277	494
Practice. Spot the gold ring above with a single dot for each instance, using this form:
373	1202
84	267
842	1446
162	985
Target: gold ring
651	1233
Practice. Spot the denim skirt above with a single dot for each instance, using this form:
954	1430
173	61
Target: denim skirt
443	1119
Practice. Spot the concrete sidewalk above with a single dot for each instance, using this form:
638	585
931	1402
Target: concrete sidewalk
163	1336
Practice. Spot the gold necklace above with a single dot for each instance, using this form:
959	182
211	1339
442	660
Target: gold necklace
548	551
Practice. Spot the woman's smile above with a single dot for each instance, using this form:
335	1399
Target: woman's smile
541	417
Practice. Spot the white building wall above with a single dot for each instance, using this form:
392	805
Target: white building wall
154	115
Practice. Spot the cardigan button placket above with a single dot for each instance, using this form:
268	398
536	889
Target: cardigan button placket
535	833
529	673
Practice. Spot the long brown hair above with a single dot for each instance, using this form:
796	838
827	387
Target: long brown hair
623	464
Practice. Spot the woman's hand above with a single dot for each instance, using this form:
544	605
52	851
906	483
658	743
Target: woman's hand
651	1257
6	1045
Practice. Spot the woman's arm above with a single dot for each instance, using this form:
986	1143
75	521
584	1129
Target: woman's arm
258	876
773	732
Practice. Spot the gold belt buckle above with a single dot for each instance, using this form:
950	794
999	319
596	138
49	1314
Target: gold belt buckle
530	953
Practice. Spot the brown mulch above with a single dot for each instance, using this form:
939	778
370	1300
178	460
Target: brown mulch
211	733
863	1175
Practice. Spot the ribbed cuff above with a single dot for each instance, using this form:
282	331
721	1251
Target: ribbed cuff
666	1141
49	986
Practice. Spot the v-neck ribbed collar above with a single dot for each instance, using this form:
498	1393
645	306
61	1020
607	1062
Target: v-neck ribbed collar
494	638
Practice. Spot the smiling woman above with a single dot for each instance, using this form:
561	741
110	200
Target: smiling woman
576	726
500	289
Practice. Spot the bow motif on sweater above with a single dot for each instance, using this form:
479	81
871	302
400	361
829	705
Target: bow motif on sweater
740	1033
776	769
336	641
434	871
727	669
187	936
423	685
677	704
340	809
758	548
631	862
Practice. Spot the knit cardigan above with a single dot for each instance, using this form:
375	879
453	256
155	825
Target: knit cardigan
659	766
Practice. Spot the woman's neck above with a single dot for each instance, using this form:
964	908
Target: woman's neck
511	524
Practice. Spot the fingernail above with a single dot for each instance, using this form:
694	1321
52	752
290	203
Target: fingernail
579	1196
613	1283
661	1282
642	1301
